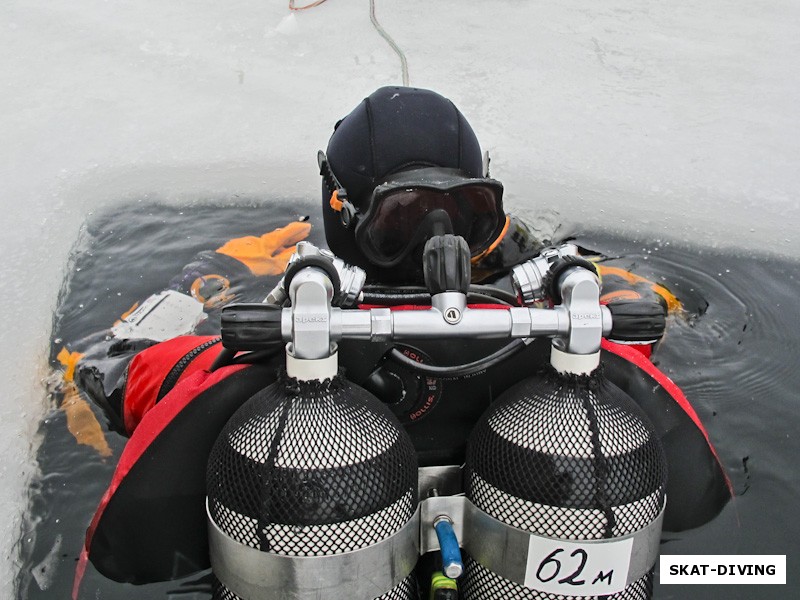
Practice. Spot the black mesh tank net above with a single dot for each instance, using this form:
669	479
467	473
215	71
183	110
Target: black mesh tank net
569	457
310	469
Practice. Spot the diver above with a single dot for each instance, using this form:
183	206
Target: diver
403	167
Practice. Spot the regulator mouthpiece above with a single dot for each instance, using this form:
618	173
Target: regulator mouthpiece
446	264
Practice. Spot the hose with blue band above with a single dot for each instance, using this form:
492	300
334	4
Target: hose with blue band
452	565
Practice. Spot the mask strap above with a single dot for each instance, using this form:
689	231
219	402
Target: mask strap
338	201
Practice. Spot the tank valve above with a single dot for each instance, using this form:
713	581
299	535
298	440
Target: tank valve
529	278
348	279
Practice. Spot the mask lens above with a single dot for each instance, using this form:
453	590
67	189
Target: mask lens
397	215
477	217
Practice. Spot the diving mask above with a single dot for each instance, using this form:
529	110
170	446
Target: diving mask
408	207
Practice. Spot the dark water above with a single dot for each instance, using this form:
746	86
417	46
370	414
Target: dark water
734	352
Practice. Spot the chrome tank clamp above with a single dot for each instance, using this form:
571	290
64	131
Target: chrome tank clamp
360	574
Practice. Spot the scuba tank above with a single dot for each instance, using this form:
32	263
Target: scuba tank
564	479
570	458
312	484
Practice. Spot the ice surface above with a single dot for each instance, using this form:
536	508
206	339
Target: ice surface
675	119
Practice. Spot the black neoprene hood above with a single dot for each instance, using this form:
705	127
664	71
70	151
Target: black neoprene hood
393	130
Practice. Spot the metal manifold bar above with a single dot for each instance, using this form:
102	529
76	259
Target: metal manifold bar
382	324
321	292
311	323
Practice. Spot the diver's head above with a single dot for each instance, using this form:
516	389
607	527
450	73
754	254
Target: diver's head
412	168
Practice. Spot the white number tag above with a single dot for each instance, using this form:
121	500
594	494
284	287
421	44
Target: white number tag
578	568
